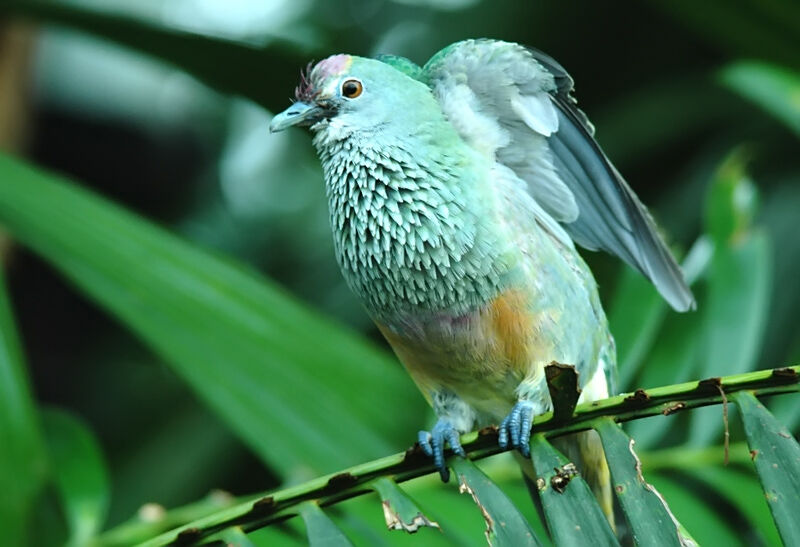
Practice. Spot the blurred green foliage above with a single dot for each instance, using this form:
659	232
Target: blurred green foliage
213	377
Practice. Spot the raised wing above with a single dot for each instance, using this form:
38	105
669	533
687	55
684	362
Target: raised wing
515	104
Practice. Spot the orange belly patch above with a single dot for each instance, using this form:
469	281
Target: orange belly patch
501	340
513	326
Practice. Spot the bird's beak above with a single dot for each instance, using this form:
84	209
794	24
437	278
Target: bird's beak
297	114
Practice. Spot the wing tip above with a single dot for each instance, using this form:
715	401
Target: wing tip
670	281
681	302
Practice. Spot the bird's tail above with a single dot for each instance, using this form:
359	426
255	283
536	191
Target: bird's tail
596	472
585	450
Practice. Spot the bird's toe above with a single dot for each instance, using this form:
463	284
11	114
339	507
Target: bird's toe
433	444
424	441
516	427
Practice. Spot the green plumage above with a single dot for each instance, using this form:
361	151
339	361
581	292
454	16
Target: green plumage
456	193
408	233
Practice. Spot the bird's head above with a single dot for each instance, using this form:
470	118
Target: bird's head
353	94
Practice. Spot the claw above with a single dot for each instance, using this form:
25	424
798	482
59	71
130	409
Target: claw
517	426
424	440
502	437
433	444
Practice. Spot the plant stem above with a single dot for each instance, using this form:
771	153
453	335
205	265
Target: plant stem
351	482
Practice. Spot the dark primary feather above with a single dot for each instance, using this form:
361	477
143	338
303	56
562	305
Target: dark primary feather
610	216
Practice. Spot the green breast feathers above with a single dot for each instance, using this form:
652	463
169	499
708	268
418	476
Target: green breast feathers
407	234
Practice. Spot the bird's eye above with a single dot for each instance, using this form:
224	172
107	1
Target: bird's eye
352	88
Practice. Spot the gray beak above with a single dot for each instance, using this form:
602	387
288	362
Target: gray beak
297	114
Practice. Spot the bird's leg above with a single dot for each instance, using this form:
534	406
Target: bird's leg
517	426
455	417
432	444
534	399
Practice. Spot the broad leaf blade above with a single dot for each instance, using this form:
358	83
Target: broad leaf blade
737	304
706	526
278	374
359	519
743	491
322	532
739	285
732	201
137	530
635	317
235	537
399	510
226	65
285	535
672	360
455	512
80	474
505	525
573	515
649	517
777	458
22	456
772	87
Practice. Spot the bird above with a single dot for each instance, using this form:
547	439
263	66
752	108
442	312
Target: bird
458	194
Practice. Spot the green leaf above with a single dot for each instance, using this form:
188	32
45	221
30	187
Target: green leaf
360	519
23	464
455	513
321	530
399	510
235	537
226	65
732	201
706	526
80	474
743	491
151	520
739	291
507	473
739	286
573	515
674	357
283	535
505	525
672	360
637	316
280	375
777	458
148	471
649	517
330	489
774	88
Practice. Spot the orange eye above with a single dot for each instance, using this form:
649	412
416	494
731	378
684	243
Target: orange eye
352	88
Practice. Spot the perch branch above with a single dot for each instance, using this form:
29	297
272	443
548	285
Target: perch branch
262	510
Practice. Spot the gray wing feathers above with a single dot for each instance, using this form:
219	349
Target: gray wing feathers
611	216
516	104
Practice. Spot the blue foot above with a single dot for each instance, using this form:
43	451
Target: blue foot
433	444
517	426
